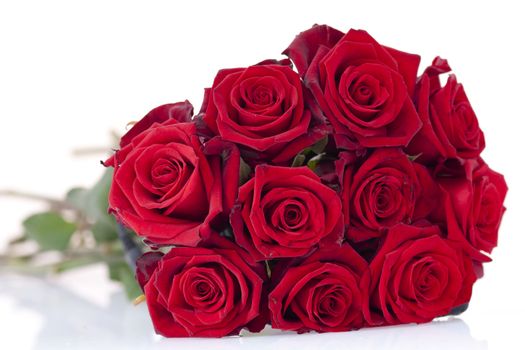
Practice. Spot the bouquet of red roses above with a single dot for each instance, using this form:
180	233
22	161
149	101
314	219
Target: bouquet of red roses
345	193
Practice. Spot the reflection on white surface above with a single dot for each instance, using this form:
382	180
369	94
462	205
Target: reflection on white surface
39	314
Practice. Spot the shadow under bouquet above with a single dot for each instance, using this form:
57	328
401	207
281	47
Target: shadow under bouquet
329	191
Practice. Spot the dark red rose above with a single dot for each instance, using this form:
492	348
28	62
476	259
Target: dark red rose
180	111
323	293
262	109
450	127
170	188
416	276
211	291
489	190
362	87
476	203
285	212
386	189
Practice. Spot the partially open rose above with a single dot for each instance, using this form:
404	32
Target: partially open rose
450	126
476	203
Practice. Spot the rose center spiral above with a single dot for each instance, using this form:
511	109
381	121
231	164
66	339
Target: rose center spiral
165	172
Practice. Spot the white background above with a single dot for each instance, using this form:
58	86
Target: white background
70	71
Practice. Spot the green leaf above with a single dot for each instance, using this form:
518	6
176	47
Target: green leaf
310	152
244	172
414	157
49	230
74	263
98	196
298	160
314	161
320	145
77	197
93	203
120	272
104	232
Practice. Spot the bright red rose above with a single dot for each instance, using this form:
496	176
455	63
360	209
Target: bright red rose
386	189
170	188
362	87
450	126
179	111
322	293
476	203
416	276
262	109
211	291
285	212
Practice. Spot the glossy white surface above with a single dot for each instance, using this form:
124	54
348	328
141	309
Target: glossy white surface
84	310
70	71
39	314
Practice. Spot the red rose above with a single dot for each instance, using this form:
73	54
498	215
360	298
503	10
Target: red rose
476	202
417	276
322	293
450	127
363	88
180	111
385	190
262	109
285	212
204	291
170	188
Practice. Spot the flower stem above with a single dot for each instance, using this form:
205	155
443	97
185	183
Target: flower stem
54	203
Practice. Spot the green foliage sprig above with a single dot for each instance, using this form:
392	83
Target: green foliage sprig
72	232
